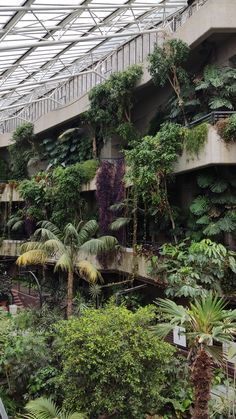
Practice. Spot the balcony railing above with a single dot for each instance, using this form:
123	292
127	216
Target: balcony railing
212	117
132	52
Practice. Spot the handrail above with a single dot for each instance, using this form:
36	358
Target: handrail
212	117
135	51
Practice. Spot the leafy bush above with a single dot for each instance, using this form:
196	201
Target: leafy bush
167	66
111	103
112	364
190	269
23	138
227	128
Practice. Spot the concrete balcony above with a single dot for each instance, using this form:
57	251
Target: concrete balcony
9	193
122	262
215	151
194	25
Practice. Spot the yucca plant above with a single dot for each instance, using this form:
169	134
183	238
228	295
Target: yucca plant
45	408
206	321
49	242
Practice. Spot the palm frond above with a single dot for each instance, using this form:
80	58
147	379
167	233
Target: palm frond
119	223
71	236
118	207
178	313
46	408
87	231
48	225
88	272
99	246
68	134
162	329
32	257
64	263
54	247
17	225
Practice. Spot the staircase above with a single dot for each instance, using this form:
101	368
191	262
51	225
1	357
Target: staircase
16	298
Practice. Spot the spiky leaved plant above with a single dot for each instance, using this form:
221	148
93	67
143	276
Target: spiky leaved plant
50	242
206	321
45	408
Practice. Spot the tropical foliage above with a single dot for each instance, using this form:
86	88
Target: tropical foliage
63	245
214	209
167	66
205	322
43	408
190	270
72	146
111	103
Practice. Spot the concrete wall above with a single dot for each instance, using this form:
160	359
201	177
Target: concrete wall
123	261
215	151
9	193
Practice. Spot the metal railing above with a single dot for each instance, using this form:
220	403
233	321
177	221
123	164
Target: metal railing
212	117
133	52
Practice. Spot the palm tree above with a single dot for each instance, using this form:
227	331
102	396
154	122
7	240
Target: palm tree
51	243
43	408
205	321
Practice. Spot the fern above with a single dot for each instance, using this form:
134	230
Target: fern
119	223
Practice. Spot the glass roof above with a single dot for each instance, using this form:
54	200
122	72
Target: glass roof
43	39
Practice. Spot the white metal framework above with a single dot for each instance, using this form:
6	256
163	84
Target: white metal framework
45	41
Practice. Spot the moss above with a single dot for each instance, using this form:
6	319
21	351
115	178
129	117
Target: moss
195	139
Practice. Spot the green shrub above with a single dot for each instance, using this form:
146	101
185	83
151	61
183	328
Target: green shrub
227	129
112	363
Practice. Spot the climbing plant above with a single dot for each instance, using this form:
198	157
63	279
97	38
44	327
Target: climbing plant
111	103
167	67
150	164
23	141
72	146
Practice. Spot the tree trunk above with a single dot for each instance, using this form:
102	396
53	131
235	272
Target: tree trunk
201	378
70	281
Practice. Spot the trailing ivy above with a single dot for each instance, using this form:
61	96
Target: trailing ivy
196	139
23	138
72	146
111	103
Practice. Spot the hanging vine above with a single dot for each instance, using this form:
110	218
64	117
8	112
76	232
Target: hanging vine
110	106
